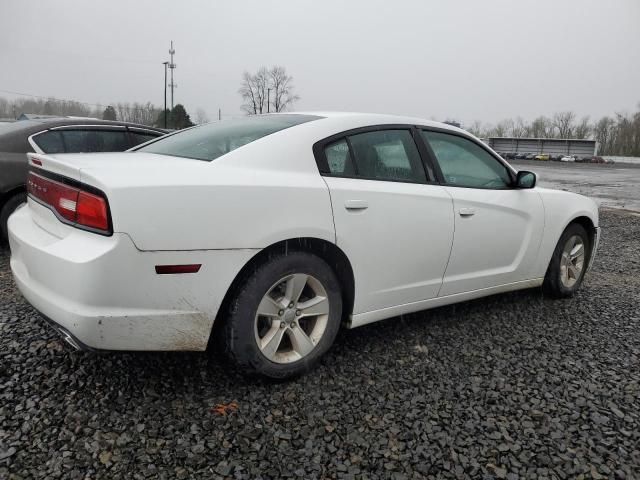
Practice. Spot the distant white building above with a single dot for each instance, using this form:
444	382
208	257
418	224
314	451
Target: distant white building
552	146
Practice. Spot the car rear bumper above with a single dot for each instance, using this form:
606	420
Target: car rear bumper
103	293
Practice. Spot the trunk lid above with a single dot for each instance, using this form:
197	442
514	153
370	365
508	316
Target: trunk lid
107	171
122	177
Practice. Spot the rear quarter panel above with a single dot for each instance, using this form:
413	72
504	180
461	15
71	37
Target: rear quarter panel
262	193
238	209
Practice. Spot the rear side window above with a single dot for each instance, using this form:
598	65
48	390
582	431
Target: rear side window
139	137
210	141
339	159
89	141
387	155
49	142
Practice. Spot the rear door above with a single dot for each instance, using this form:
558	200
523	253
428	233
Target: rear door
498	228
392	221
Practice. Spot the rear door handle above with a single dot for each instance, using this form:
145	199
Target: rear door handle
356	205
467	212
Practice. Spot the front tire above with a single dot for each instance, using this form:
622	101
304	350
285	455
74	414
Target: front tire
8	208
569	263
284	317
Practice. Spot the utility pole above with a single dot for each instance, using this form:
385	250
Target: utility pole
172	66
268	99
219	114
164	113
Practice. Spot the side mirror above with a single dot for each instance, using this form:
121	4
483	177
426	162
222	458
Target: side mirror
525	179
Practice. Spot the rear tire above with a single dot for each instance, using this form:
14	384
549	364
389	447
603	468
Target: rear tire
569	263
8	208
284	317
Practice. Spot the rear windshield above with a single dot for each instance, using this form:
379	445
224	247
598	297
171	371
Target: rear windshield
210	141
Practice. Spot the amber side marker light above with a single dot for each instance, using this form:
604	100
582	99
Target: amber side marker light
174	269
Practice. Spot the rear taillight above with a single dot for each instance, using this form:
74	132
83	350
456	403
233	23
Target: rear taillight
72	204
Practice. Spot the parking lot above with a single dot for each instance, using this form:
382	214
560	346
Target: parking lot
512	386
616	185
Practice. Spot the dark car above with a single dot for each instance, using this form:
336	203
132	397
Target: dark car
57	135
520	155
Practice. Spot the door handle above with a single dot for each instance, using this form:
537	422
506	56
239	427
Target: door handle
467	212
356	205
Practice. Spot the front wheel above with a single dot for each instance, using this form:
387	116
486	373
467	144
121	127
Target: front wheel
285	317
569	263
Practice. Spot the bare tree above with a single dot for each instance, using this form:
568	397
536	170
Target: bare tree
5	109
282	86
477	129
201	116
541	127
604	134
254	91
582	129
501	129
563	122
518	128
262	86
266	88
145	114
50	106
627	137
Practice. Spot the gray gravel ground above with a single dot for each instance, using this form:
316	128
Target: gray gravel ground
514	386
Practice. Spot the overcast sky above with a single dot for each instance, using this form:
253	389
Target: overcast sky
462	59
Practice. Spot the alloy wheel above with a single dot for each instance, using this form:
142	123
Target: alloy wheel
291	318
572	261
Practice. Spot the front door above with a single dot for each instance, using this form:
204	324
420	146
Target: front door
498	229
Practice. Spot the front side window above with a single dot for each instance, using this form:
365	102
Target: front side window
465	164
387	155
212	140
89	141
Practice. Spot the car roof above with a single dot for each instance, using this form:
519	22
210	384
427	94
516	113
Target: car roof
380	119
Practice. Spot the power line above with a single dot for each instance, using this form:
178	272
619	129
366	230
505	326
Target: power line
53	98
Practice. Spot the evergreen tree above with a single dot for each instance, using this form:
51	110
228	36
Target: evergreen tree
109	113
180	118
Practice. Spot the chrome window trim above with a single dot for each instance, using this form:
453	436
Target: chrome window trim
145	130
98	127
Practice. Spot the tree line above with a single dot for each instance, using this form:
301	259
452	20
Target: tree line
272	90
618	134
142	113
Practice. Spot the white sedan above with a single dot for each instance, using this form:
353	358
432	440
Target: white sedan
568	158
276	229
